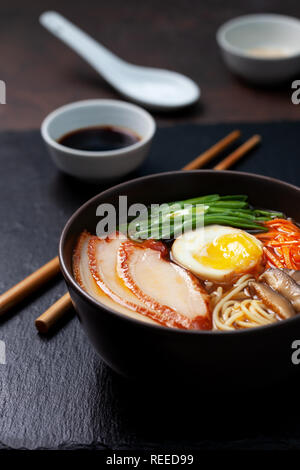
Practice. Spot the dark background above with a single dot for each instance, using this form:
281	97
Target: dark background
41	73
55	392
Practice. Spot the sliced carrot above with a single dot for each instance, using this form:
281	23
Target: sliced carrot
286	255
281	244
274	260
275	243
267	235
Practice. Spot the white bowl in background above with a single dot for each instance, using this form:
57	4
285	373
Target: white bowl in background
98	166
262	48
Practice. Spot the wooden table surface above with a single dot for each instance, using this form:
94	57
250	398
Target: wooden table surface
41	73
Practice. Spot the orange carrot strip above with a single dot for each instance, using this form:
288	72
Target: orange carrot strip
286	255
273	258
266	235
280	245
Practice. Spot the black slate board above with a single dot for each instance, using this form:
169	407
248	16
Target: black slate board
55	392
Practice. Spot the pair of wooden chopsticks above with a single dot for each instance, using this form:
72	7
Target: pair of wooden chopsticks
216	149
31	283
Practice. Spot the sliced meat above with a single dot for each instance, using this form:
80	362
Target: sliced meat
284	284
84	278
164	286
294	274
103	255
81	270
272	299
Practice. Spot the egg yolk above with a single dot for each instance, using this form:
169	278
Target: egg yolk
234	251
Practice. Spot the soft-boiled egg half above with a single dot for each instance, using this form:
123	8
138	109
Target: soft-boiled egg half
217	252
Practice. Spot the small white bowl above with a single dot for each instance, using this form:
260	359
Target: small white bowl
103	165
263	48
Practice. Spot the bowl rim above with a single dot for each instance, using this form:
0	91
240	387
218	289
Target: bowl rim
254	18
143	114
166	330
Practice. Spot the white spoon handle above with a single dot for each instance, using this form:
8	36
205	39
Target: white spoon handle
100	58
150	87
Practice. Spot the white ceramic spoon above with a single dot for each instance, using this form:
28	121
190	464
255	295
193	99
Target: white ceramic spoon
153	88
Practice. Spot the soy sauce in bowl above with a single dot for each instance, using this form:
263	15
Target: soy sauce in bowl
99	138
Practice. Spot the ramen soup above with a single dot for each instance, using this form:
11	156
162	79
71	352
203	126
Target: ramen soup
239	269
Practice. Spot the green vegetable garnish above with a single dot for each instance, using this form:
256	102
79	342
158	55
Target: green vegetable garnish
215	209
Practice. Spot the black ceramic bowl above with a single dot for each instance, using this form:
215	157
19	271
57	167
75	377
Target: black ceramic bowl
140	350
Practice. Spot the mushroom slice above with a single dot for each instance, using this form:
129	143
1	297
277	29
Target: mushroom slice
294	274
84	278
284	284
272	299
164	286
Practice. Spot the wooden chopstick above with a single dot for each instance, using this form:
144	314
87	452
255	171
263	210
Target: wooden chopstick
238	153
54	313
213	151
31	283
47	320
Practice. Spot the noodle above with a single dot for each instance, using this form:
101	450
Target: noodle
232	311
